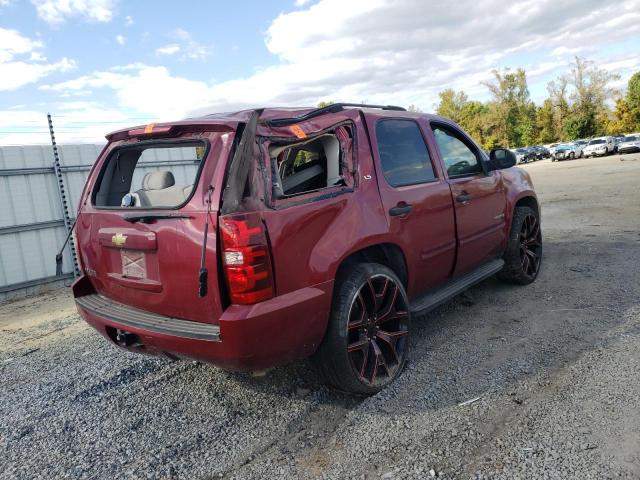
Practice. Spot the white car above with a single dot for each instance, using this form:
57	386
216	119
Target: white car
599	146
629	144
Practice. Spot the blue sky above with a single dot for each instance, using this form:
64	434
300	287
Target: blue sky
97	65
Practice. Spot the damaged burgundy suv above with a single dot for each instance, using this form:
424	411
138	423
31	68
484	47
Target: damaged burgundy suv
253	239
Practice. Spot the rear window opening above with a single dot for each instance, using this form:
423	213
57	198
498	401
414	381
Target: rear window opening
310	165
151	175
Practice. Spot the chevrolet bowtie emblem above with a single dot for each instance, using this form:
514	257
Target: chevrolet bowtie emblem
119	239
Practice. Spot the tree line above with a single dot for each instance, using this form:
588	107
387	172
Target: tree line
577	106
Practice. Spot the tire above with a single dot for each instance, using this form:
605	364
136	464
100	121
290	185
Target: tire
366	343
572	155
523	256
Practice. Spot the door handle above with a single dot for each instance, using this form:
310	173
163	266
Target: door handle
400	209
463	197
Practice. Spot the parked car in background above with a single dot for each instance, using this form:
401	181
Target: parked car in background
618	139
541	152
533	154
552	148
629	144
567	151
599	146
523	155
259	254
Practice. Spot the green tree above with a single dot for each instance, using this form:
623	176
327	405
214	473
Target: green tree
633	102
559	100
624	120
589	89
511	108
546	123
580	125
633	91
451	104
325	104
473	119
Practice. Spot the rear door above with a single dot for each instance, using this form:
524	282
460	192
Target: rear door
417	201
479	198
148	255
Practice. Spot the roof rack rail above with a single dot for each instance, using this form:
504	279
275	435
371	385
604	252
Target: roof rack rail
333	108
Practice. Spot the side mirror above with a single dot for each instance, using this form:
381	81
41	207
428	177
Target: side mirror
502	158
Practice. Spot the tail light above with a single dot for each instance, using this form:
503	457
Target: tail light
246	258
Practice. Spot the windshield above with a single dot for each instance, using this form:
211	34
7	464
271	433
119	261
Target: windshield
596	141
630	138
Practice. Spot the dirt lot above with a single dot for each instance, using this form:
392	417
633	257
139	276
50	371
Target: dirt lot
556	367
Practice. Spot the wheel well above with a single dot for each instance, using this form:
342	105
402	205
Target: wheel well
529	202
387	254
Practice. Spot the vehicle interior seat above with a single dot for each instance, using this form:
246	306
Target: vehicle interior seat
159	190
320	173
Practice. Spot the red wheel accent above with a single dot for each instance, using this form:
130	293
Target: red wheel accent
530	246
377	329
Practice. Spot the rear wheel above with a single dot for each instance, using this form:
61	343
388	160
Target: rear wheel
523	256
366	344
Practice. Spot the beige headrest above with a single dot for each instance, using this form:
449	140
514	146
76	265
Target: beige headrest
158	180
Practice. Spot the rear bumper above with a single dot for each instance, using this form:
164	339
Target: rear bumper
247	337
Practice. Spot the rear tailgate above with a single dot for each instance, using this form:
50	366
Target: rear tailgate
149	258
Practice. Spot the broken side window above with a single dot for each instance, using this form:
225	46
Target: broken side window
312	164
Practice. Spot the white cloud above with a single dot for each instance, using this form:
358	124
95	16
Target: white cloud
57	11
301	3
400	52
120	40
171	49
22	62
17	74
13	43
183	44
147	89
128	20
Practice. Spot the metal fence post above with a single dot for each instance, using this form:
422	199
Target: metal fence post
63	196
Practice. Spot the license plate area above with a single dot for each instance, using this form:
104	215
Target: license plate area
134	264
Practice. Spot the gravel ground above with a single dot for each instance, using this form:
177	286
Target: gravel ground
555	369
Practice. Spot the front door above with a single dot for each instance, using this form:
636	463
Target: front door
478	195
417	201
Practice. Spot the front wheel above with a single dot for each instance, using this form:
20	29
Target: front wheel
523	256
366	344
